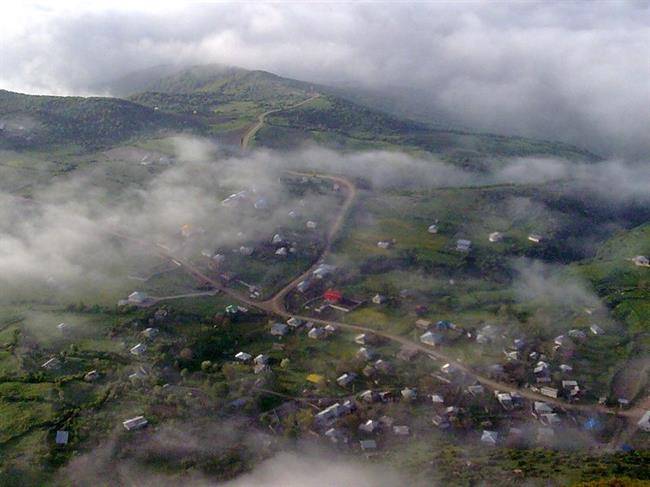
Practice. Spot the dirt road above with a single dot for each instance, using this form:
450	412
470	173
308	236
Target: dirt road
248	136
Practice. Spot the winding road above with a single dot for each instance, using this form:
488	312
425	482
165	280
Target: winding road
261	119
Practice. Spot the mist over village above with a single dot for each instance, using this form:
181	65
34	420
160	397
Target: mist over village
324	244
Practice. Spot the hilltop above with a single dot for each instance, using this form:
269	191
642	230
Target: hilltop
224	102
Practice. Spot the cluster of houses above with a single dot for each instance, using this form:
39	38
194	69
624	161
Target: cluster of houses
465	245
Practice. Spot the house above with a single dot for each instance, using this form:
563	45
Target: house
644	422
437	399
311	225
346	379
62	437
577	334
541	367
52	364
476	390
368	445
365	339
330	329
369	371
137	298
422	324
549	391
495	237
62	327
535	237
295	323
333	296
641	261
596	330
409	394
463	245
449	369
281	252
139	349
243	357
407	353
150	333
378	299
489	437
246	251
369	396
135	423
317	333
511	355
549	419
315	379
91	376
371	426
518	343
262	359
303	286
279	329
401	430
444	325
440	421
540	407
383	366
432	339
505	399
365	354
566	368
384	244
323	270
433	229
336	436
328	414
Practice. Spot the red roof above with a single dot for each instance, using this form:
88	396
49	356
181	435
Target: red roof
333	295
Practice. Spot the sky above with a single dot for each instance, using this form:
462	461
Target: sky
571	71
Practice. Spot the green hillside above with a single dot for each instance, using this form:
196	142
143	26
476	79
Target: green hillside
30	122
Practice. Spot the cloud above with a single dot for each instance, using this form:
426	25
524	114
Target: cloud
558	70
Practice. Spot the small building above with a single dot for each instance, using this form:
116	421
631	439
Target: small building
295	323
433	229
365	339
62	327
303	286
323	270
641	261
311	225
243	356
644	422
535	237
315	379
505	399
330	329
246	251
365	354
137	298
279	329
262	359
62	437
445	325
440	421
91	376
432	339
495	237
135	423
476	390
489	437
281	252
549	391
346	379
463	245
369	396
333	296
596	330
577	334
437	400
566	368
317	333
378	299
401	430
336	436
371	426
383	366
540	407
368	445
139	349
423	324
384	244
150	333
52	364
409	394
